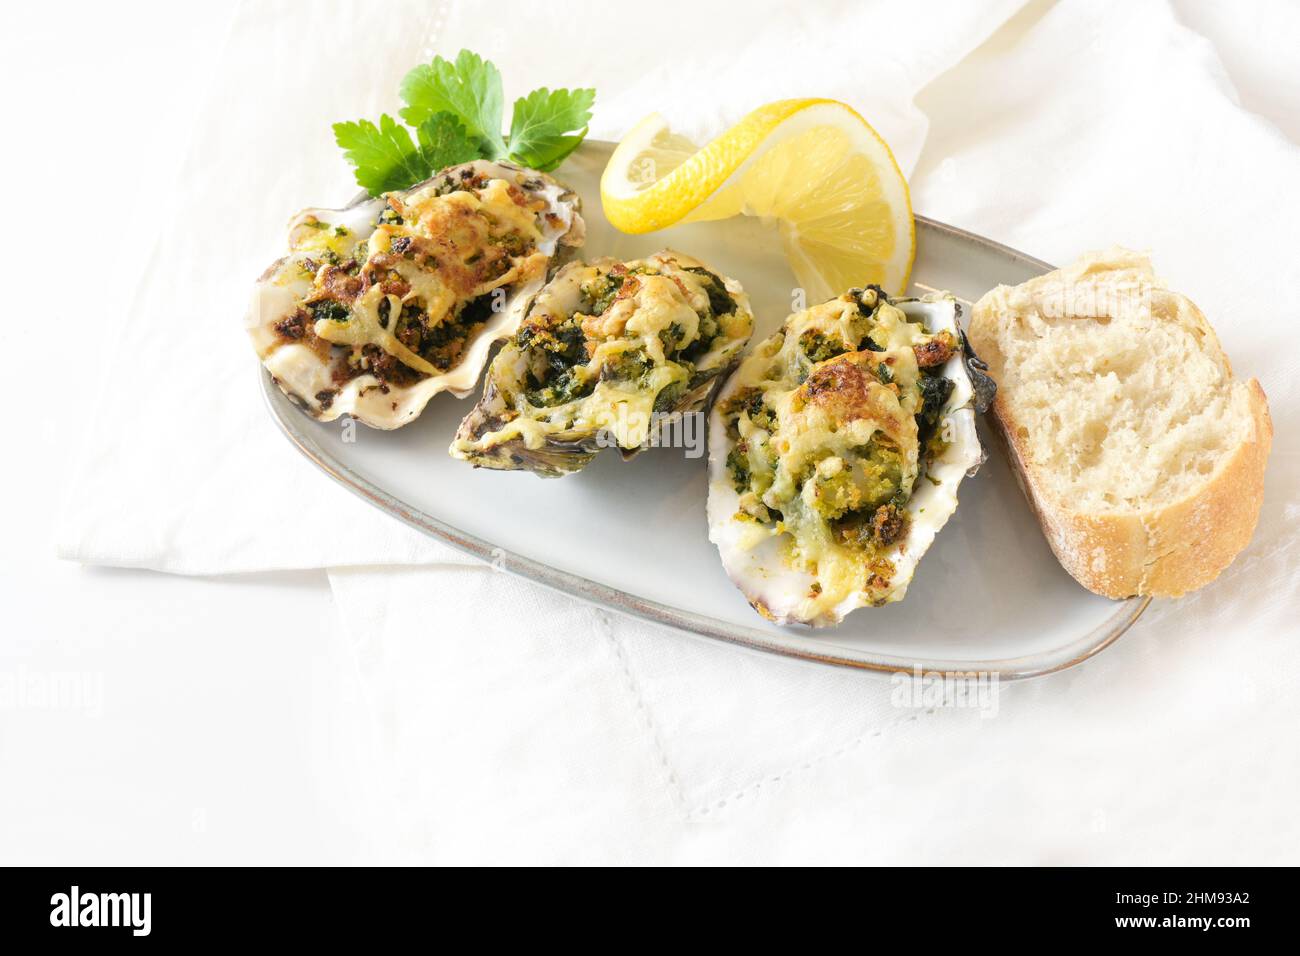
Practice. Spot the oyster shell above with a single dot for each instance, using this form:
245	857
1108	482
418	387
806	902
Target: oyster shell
606	352
381	305
835	452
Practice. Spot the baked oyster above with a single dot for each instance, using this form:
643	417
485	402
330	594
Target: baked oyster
606	350
835	452
383	304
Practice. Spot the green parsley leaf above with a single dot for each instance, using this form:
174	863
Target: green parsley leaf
548	125
384	156
444	142
470	88
455	108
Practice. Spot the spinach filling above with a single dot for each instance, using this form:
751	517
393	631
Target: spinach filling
562	345
865	503
631	365
565	345
720	300
599	294
935	392
559	389
721	303
330	309
738	466
748	401
820	347
441	343
872	476
561	351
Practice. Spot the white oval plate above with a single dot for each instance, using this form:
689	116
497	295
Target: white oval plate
989	596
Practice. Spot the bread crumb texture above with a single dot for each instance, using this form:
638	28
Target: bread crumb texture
1141	453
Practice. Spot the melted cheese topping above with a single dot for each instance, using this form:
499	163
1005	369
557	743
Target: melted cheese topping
634	321
826	443
364	327
456	228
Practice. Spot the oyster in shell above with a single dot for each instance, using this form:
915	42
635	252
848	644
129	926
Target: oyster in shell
836	450
383	304
606	351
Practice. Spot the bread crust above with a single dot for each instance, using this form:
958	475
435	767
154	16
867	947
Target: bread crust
1162	552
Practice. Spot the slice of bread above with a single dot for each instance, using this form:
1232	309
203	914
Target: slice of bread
1141	454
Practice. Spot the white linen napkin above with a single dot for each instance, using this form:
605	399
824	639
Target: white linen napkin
518	725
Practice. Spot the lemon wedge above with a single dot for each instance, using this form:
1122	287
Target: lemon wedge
813	166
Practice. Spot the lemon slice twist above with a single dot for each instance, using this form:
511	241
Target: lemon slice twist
813	166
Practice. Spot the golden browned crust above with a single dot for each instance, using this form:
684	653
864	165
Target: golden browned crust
1162	552
1194	539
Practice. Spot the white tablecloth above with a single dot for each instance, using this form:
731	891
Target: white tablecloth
491	720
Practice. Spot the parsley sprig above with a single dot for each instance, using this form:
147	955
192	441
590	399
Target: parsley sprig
455	109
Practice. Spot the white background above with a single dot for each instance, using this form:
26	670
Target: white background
218	726
219	717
